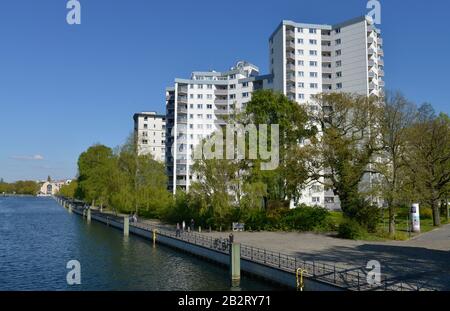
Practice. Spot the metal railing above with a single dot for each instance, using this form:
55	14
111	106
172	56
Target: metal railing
354	278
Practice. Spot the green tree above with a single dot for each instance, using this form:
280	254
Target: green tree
345	150
428	158
69	190
398	115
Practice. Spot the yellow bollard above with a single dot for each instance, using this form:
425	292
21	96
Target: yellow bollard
154	237
299	277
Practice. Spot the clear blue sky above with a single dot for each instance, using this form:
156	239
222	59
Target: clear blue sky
64	88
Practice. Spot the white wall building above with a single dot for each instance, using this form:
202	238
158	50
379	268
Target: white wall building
150	131
307	59
195	107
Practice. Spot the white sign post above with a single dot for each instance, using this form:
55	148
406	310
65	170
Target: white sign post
415	218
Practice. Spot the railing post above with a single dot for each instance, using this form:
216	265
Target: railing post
334	273
89	215
126	225
359	288
314	268
235	264
279	260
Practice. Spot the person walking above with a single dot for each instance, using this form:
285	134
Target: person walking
178	230
192	225
184	226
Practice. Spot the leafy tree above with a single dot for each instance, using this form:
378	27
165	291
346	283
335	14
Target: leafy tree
69	190
345	149
398	115
428	159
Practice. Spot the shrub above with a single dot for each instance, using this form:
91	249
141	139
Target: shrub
305	218
351	229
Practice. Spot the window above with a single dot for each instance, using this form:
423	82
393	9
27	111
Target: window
338	30
300	41
245	95
338	52
315	199
191	106
199	96
245	84
301	74
200	86
191	96
232	86
329	199
209	126
338	41
199	116
209	106
313	42
209	86
145	142
300	63
313	74
209	116
300	52
191	116
145	118
200	126
199	106
313	53
313	64
339	74
209	96
312	30
338	63
191	86
301	85
314	85
300	30
145	126
232	96
301	96
339	86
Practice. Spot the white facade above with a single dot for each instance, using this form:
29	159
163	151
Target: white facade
307	59
150	132
196	107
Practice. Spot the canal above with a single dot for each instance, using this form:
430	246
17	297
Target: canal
38	237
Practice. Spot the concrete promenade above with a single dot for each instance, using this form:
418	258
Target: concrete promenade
424	260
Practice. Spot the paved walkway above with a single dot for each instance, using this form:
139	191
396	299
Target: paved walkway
423	260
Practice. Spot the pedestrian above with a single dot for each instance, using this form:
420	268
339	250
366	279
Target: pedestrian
135	217
192	225
184	226
178	230
231	238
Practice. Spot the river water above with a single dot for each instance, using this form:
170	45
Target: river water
38	237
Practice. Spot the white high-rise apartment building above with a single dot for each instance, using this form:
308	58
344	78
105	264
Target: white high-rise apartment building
150	132
307	59
196	107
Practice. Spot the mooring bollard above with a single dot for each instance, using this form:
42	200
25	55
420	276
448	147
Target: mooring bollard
235	264
126	226
89	215
154	236
70	208
199	229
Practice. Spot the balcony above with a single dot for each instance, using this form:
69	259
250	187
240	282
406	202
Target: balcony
221	102
381	83
381	73
290	89
372	86
370	40
381	62
182	99
370	28
327	59
290	78
327	69
182	110
220	122
182	161
290	67
290	56
327	48
370	51
181	182
221	112
290	34
170	97
380	41
182	120
221	91
380	52
182	90
290	45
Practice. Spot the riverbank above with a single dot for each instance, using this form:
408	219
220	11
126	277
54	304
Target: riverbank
330	273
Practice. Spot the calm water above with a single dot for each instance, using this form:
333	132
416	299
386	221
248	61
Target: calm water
38	237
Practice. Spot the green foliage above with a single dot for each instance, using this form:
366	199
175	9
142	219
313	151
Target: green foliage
69	190
306	218
351	229
25	187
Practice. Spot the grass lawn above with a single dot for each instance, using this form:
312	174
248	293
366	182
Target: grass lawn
382	234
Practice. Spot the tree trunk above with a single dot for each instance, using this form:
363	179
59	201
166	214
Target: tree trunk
391	220
436	214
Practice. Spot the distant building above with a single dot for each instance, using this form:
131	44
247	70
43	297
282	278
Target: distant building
150	132
49	188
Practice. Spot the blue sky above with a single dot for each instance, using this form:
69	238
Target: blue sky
64	88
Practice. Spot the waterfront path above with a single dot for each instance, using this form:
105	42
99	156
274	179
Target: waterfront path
423	261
